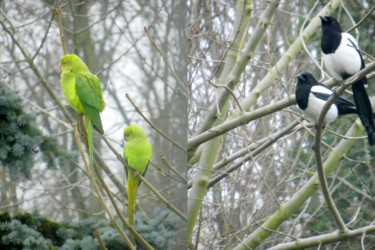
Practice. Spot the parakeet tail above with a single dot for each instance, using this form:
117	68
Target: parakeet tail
90	143
132	195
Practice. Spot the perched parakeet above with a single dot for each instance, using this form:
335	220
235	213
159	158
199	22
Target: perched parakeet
137	154
83	91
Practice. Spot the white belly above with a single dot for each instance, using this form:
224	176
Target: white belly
315	105
345	61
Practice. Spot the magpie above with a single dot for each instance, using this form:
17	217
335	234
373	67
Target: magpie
311	96
342	58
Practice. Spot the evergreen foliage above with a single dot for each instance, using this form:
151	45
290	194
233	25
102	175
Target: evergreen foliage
160	229
21	140
29	231
19	234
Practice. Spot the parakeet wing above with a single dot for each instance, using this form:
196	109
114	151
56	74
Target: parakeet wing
126	172
90	94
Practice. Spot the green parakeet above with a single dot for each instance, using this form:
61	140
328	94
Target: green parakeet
83	91
137	154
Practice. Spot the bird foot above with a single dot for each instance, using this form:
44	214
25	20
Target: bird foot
334	89
316	125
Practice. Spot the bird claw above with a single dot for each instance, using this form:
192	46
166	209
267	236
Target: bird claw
334	89
316	125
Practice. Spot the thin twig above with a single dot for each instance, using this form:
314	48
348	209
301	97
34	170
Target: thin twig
161	197
57	13
80	148
164	159
152	125
274	231
230	91
74	38
100	163
100	240
166	60
47	31
312	58
368	191
270	140
362	19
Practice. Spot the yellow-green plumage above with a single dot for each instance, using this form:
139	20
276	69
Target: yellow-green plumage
137	154
83	91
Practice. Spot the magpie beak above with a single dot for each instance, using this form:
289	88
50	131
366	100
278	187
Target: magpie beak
323	18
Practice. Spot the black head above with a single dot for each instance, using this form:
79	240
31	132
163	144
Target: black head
305	82
306	78
330	22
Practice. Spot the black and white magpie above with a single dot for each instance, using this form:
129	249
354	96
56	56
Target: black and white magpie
311	96
342	58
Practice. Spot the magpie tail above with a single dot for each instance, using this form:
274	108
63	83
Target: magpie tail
364	109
